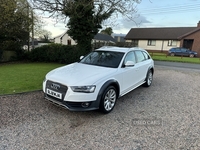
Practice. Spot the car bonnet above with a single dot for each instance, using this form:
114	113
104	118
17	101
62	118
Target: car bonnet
78	74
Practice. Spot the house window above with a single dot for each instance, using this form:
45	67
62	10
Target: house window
135	43
151	42
172	42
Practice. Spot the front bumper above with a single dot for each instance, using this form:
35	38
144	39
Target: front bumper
73	101
74	106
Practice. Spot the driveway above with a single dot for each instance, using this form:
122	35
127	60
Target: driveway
165	116
178	65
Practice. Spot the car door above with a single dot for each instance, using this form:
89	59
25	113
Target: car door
142	65
184	52
178	51
129	74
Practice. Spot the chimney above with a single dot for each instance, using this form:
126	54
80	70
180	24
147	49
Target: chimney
198	24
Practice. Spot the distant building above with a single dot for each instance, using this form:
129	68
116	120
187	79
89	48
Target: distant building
64	39
162	39
119	37
99	37
34	44
67	40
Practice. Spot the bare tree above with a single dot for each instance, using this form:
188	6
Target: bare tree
57	8
86	16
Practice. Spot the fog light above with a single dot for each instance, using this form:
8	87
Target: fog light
85	104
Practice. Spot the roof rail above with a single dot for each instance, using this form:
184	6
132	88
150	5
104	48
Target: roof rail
139	48
108	47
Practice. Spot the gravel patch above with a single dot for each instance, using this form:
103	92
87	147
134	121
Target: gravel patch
165	116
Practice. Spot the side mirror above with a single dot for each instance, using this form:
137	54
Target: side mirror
129	64
81	57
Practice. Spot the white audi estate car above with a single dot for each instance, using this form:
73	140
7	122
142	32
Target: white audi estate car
99	78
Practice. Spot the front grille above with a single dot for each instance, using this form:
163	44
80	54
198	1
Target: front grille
58	88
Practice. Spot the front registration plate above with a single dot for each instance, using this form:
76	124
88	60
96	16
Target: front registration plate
54	94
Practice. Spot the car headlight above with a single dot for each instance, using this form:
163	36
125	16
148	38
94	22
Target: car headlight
84	89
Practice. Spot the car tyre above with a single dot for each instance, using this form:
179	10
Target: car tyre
172	54
191	55
149	79
108	99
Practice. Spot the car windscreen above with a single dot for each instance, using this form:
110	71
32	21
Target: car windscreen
103	58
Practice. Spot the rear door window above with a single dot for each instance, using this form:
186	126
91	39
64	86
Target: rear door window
140	57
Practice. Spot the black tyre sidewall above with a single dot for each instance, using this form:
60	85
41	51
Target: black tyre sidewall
146	81
101	107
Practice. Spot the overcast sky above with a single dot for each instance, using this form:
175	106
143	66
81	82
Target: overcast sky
150	13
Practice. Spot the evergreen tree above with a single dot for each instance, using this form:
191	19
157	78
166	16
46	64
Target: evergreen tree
14	24
84	24
107	31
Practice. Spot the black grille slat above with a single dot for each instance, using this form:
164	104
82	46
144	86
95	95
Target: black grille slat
61	89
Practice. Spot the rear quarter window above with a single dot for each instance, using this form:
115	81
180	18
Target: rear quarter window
140	56
146	56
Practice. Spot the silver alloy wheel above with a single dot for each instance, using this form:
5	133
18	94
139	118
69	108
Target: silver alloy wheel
191	55
172	54
110	99
150	78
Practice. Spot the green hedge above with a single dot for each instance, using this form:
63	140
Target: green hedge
55	53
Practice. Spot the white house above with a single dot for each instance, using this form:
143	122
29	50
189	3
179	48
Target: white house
67	40
64	39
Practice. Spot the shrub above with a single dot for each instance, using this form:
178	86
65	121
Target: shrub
55	53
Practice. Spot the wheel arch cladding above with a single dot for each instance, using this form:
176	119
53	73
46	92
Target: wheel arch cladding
152	69
106	85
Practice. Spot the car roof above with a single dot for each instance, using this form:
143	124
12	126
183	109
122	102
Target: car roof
119	49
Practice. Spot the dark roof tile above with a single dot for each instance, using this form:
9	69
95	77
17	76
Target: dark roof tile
158	33
104	37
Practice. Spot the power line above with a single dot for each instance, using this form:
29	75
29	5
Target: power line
172	9
169	11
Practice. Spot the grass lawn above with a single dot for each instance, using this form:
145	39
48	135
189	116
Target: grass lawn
23	77
164	57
